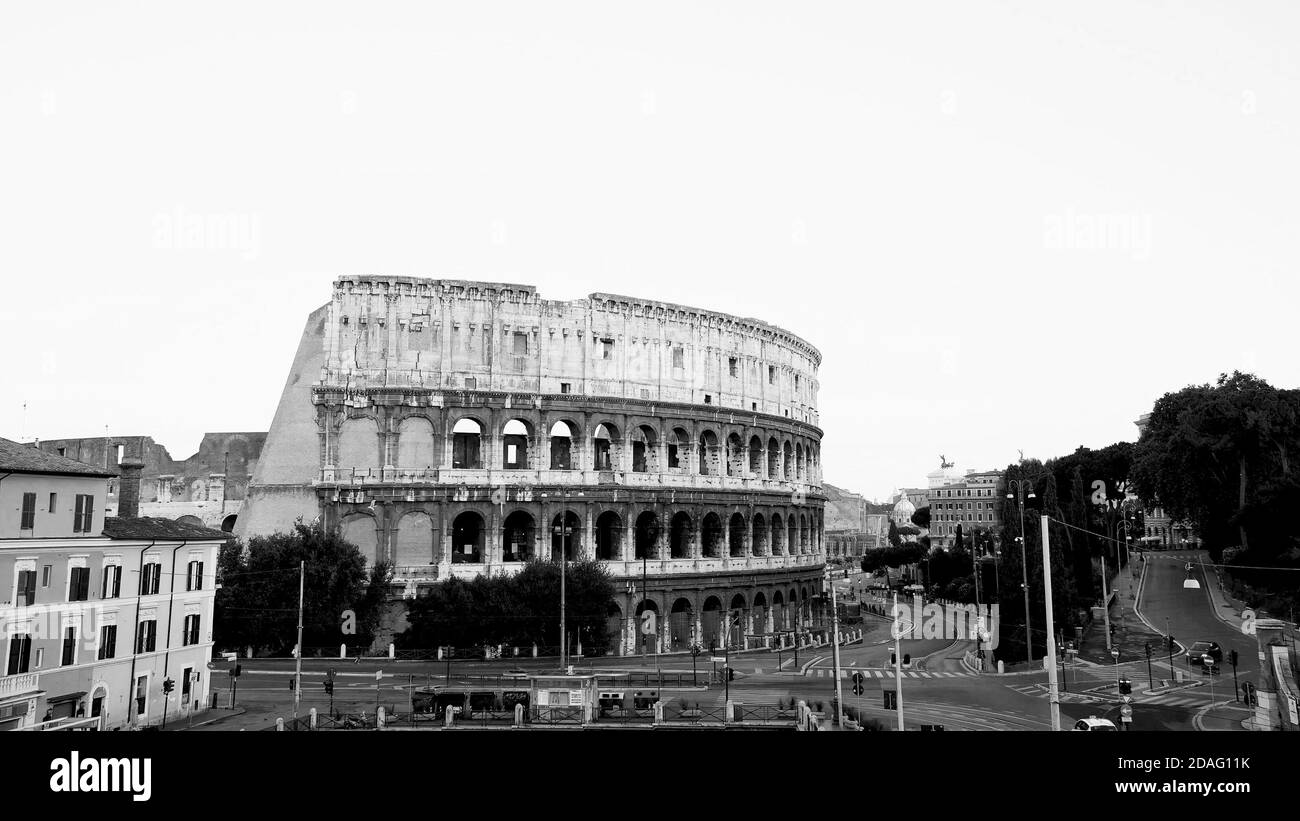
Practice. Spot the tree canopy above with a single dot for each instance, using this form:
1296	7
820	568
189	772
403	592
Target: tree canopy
921	518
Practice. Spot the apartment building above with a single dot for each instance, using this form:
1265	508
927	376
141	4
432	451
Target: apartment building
970	502
96	612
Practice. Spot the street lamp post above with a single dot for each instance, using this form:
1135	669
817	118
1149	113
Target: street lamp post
1021	486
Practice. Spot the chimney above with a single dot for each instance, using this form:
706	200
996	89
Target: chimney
128	490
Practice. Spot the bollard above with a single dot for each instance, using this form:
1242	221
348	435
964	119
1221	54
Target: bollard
312	714
343	651
379	718
279	725
439	654
534	650
449	720
519	715
392	651
1000	667
487	652
248	652
728	713
659	713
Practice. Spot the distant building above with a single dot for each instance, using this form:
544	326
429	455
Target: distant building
206	489
96	612
970	502
853	524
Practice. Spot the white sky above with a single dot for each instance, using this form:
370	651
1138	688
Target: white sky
908	186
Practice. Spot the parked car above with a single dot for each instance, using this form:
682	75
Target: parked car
1204	648
1094	724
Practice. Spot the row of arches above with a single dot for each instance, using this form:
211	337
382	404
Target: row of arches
728	618
611	537
639	449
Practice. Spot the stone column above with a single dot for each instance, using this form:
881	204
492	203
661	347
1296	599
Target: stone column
588	546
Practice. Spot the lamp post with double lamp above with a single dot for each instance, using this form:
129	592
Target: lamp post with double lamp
564	530
1023	489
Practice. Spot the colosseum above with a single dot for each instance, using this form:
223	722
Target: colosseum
456	428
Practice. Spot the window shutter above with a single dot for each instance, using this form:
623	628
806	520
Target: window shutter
117	581
29	587
76	516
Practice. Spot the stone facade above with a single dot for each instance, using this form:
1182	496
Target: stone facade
461	428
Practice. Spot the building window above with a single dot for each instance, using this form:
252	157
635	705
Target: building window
63	451
190	633
20	653
29	512
753	406
112	587
194	571
520	344
26	591
141	694
185	683
708	399
81	517
146	638
108	641
79	584
150	576
45	576
565	387
54	502
679	357
607	349
733	365
69	647
771	374
471	383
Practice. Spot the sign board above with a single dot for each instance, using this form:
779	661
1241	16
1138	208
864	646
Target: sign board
718	659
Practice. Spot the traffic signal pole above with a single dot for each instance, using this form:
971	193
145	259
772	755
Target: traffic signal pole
898	666
1054	694
835	627
297	663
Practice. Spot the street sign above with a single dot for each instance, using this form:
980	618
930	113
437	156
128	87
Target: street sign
858	678
718	659
1126	713
857	689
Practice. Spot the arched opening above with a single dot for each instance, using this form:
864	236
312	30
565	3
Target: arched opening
614	622
645	453
792	535
562	435
708	453
359	445
414	544
805	543
609	536
792	608
787	457
755	456
566	535
711	536
679	541
647	536
605	447
735	456
736	535
518	537
778	535
415	444
514	445
648	643
773	459
679	445
466	445
711	622
228	523
799	462
736	621
681	624
467	538
758	621
359	529
758	532
779	617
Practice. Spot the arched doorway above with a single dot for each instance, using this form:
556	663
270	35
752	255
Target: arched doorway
681	625
711	536
736	621
228	523
778	536
515	436
647	643
466	445
759	611
758	532
566	536
467	538
518	537
609	536
711	622
605	448
563	434
709	457
736	535
645	451
680	536
647	536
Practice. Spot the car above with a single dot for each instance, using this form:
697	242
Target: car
1204	648
1094	724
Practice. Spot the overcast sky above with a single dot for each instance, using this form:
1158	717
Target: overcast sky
1005	225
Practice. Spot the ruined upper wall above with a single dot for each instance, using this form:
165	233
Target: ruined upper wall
504	337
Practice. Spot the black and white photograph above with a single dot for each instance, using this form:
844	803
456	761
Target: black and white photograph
457	387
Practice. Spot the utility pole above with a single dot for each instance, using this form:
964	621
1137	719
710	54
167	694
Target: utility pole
297	661
835	627
564	563
898	665
1053	691
1105	600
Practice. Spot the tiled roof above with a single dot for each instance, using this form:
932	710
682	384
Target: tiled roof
19	458
151	527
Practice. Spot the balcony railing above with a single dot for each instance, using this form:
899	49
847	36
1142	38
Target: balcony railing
18	684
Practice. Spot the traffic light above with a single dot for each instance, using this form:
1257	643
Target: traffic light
907	658
291	684
1170	641
168	685
893	658
1232	657
329	687
1125	687
731	674
239	668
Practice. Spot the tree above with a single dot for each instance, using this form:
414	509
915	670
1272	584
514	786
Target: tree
257	604
894	539
921	518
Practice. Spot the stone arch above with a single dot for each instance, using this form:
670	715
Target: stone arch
787	461
415	444
190	520
563	438
805	537
519	537
414	540
681	624
735	455
680	532
606	447
566	535
646	536
736	535
645	450
773	458
648	644
228	523
709	457
758	612
755	456
359	529
678	449
467	538
780	618
516	438
778	535
467	444
609	536
791	535
758	533
799	459
711	622
359	445
711	536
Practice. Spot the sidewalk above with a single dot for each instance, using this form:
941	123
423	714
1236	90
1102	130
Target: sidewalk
1130	635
